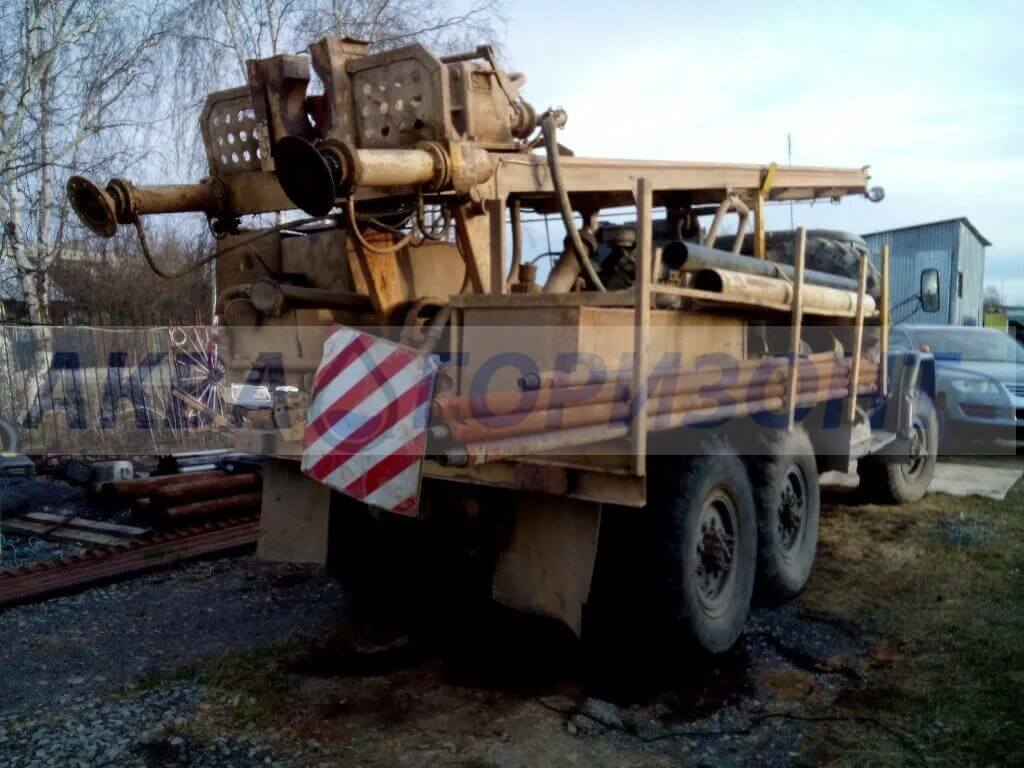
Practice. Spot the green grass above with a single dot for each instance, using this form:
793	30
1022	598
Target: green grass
951	617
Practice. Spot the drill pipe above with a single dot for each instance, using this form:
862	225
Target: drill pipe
205	488
691	257
562	379
226	506
534	422
747	372
768	290
473	454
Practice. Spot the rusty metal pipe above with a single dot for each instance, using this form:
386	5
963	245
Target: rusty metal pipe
571	416
691	257
270	297
473	454
562	379
779	292
121	202
205	488
211	508
393	167
670	382
142	487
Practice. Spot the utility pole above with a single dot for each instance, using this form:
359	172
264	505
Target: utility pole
789	161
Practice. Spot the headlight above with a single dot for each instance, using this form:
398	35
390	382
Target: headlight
974	386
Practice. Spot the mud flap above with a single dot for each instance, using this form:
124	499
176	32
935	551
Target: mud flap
548	565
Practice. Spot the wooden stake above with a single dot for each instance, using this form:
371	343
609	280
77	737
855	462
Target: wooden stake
858	340
796	324
641	323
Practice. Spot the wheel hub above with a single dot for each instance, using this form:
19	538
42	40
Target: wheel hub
917	451
716	551
792	509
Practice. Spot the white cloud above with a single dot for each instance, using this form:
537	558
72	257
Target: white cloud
928	96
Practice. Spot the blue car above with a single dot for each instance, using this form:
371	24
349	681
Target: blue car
979	381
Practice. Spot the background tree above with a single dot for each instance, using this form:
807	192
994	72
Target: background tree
114	88
993	299
75	79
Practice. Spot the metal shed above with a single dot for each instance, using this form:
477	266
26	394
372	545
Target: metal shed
952	248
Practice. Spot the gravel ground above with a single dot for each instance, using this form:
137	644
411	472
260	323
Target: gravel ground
155	728
77	692
98	641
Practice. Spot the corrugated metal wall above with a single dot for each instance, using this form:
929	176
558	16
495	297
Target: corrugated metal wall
972	264
949	247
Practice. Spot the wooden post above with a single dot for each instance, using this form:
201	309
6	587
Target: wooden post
760	246
641	323
760	249
858	340
796	325
497	210
884	320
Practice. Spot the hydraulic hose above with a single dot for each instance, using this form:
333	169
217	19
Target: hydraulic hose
549	126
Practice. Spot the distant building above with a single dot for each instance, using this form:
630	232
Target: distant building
937	272
1015	322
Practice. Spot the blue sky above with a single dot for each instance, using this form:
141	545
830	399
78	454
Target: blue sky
930	95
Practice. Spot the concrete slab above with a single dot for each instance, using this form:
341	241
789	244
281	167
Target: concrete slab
953	479
975	480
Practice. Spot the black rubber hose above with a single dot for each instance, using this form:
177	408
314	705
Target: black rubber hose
549	127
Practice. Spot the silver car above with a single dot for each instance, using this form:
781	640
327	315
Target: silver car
979	380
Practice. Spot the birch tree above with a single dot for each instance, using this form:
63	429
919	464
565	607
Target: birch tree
75	76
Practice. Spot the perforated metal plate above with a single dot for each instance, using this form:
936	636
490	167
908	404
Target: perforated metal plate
232	133
398	104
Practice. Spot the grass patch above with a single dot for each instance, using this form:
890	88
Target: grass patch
257	681
947	616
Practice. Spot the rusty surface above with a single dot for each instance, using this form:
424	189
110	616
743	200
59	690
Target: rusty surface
224	506
143	487
578	415
98	566
747	373
174	494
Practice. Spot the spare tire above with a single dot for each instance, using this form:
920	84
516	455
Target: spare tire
828	250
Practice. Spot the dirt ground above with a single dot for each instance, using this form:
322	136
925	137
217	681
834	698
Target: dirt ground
907	648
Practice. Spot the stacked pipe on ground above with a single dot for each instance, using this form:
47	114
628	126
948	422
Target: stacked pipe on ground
186	499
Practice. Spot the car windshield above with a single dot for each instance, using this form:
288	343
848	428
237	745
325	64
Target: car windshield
982	346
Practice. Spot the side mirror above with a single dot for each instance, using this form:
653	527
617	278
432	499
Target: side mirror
930	299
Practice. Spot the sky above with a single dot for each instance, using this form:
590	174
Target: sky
930	95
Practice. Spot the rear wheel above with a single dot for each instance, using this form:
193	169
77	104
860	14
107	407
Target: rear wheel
897	483
708	534
788	499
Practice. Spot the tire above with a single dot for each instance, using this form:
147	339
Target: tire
787	495
891	483
9	442
704	508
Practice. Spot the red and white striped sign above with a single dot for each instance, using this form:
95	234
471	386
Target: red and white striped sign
367	425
